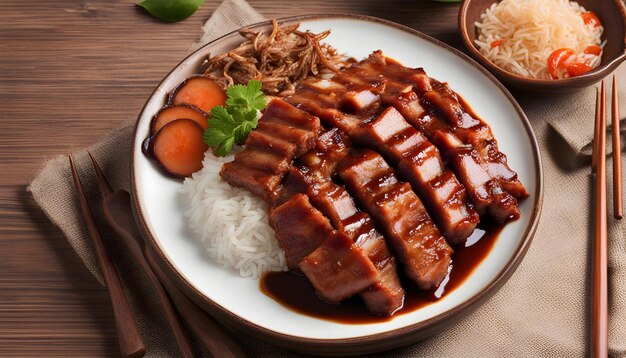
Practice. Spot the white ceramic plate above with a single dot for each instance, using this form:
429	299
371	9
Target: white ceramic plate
160	205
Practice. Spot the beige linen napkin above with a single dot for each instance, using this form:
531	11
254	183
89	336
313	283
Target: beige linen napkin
542	311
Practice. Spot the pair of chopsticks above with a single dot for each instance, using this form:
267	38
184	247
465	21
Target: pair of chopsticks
599	145
118	213
600	328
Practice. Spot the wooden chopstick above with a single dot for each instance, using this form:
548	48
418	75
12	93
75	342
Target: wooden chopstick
130	341
600	328
618	209
596	123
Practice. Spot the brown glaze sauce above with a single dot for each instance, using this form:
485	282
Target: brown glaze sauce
297	294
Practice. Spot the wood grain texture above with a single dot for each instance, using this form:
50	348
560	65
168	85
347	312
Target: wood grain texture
70	72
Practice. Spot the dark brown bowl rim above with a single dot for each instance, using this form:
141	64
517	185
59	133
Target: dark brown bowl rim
375	342
578	81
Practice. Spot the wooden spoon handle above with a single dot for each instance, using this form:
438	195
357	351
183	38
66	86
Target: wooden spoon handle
130	341
116	213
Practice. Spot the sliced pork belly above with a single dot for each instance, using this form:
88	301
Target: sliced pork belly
339	269
418	161
312	176
484	190
386	295
398	211
332	146
336	267
284	132
326	107
487	195
299	227
474	132
470	130
292	119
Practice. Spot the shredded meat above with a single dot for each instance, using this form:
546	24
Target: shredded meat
279	59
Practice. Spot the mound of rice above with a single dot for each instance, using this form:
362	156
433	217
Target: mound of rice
232	223
528	31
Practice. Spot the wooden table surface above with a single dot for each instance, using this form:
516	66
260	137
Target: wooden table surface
70	72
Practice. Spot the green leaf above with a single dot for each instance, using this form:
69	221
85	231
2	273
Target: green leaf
213	137
171	10
231	125
249	96
225	147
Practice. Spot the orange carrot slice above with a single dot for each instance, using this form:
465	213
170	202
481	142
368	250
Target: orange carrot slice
179	148
199	91
169	114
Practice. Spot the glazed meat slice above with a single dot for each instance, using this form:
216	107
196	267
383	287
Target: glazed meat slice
468	129
418	161
476	133
312	176
398	211
339	269
343	101
299	227
483	189
261	166
284	132
332	146
300	128
486	192
385	296
324	106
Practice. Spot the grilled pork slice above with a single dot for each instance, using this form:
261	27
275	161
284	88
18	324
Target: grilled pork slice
485	192
418	161
470	130
312	176
398	211
332	146
385	296
339	269
336	267
324	106
299	227
284	132
476	133
303	127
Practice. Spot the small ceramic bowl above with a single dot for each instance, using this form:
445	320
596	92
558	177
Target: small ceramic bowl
612	14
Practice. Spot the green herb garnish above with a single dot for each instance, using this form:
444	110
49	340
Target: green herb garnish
231	124
171	10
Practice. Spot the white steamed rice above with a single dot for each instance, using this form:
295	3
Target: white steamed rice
531	30
231	223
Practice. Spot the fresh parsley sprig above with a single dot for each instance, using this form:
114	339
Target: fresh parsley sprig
231	124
